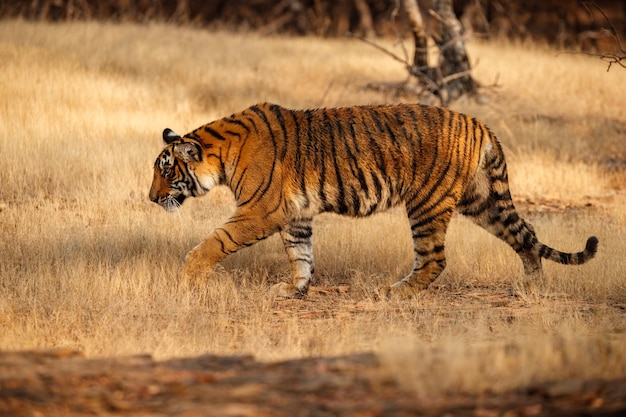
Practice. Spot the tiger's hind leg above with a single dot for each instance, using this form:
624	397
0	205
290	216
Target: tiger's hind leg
297	238
428	231
506	225
487	202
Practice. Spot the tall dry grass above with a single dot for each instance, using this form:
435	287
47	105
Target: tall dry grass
87	262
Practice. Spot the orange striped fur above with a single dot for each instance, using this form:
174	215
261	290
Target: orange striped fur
286	166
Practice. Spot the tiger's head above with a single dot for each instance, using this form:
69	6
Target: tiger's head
180	171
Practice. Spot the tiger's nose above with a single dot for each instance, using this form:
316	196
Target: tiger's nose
153	195
154	192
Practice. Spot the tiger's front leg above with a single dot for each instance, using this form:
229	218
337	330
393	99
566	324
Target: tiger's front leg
237	233
296	237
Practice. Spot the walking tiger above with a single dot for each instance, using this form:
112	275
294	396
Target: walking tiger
286	166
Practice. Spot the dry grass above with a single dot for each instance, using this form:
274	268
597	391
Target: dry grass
89	263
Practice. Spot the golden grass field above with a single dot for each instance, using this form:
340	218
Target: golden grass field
89	263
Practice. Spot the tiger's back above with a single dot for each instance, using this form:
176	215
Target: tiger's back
286	166
356	161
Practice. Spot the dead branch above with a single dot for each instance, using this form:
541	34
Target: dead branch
609	57
380	48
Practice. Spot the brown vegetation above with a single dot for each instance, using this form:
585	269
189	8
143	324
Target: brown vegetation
63	383
88	263
564	24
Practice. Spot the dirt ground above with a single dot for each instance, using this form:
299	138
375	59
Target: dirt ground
64	383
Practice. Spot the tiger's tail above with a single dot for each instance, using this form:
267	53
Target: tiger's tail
565	258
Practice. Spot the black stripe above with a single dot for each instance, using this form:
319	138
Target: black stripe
416	145
307	260
375	149
237	189
236	165
430	261
580	258
354	161
332	127
238	123
309	152
222	247
501	196
517	228
321	162
422	234
214	133
353	135
279	203
481	134
300	232
263	117
510	219
281	121
253	196
378	186
468	200
484	205
427	220
529	241
435	250
428	172
298	164
356	201
545	251
416	129
435	186
396	157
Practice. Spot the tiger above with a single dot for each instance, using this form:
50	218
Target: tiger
285	166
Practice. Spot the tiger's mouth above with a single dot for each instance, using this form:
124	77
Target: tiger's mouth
173	203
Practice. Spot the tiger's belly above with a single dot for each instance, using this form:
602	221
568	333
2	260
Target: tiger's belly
353	202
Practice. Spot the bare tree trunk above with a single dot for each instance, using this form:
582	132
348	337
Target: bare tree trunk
181	14
451	77
455	67
420	58
365	15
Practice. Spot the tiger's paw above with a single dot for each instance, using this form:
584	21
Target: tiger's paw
382	293
286	290
398	291
529	288
193	275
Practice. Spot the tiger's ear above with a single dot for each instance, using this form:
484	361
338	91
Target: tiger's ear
170	136
188	152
